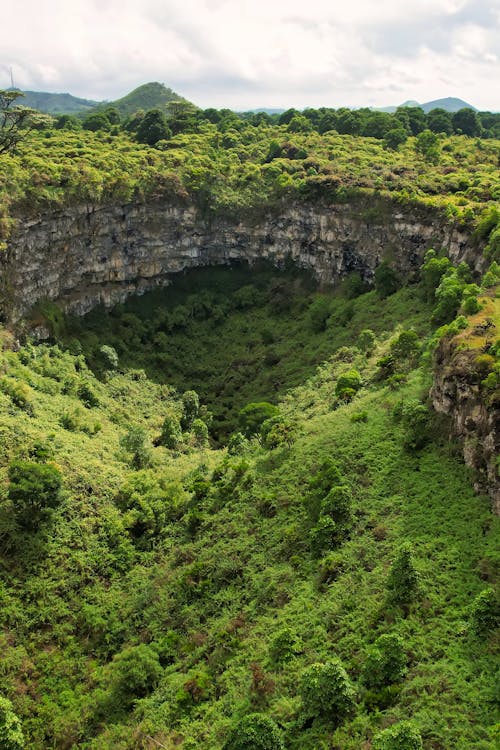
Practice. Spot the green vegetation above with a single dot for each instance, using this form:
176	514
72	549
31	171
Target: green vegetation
229	518
325	581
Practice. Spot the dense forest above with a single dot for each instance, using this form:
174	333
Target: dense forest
230	518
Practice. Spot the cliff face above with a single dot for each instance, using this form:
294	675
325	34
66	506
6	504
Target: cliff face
82	256
474	412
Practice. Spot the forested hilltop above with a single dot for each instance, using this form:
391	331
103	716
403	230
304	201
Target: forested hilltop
230	517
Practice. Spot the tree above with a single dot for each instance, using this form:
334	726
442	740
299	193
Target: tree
327	692
153	127
15	121
386	280
255	732
439	121
402	736
427	145
467	122
171	434
191	405
34	490
253	415
11	736
485	613
134	441
385	661
97	121
394	138
403	579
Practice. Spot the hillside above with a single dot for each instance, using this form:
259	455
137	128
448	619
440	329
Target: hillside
148	96
174	589
246	499
56	104
449	104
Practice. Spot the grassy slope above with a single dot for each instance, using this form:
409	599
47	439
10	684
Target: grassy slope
254	353
225	572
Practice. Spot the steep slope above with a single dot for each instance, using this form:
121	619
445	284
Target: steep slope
147	96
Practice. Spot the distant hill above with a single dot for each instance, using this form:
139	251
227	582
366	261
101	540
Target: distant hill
450	104
148	96
56	104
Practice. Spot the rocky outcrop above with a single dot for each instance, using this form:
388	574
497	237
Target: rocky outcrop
86	255
474	413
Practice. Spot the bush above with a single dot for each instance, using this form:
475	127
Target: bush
402	736
319	312
366	340
255	732
403	579
385	662
191	407
109	356
34	490
350	381
485	613
253	416
200	432
136	671
11	736
284	646
327	693
87	396
171	434
387	281
134	442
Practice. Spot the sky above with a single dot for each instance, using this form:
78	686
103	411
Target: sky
245	54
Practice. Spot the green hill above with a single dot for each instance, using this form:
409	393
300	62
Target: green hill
148	96
56	104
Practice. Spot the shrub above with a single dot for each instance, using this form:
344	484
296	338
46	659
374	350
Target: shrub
366	340
87	396
402	736
136	671
34	490
350	381
18	392
386	280
109	356
200	432
327	693
403	579
319	312
255	732
253	415
385	661
485	613
171	434
406	347
11	736
134	442
284	646
191	407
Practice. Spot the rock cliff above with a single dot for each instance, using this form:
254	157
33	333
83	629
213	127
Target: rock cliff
82	256
474	410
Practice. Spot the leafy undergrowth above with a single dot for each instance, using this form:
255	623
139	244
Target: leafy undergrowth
171	592
237	335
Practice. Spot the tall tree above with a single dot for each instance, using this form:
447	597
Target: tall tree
15	121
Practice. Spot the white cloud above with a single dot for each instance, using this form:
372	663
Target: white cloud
246	53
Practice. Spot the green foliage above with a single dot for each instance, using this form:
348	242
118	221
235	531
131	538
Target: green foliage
87	395
402	736
134	442
11	736
319	313
385	661
284	646
171	433
135	671
255	732
110	356
153	128
191	407
34	490
253	416
427	145
406	347
327	693
200	432
403	580
350	380
485	613
387	281
366	341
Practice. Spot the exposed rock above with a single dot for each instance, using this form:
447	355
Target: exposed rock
85	255
474	413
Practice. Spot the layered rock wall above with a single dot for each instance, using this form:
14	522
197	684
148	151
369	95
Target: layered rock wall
82	256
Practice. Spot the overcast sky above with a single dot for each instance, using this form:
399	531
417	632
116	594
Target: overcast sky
258	53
